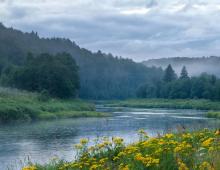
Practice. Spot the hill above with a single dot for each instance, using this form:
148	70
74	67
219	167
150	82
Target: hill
195	66
102	76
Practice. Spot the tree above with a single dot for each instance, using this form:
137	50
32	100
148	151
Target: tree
169	74
56	74
184	73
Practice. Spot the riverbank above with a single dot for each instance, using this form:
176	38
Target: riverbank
22	106
184	150
213	114
198	104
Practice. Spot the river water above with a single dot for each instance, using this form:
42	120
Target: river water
42	141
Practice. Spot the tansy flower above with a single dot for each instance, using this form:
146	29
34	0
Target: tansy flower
84	141
207	142
30	168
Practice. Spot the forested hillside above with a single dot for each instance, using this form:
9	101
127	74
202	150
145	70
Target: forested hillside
195	66
102	76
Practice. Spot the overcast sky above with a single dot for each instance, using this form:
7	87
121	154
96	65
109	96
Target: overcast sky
138	29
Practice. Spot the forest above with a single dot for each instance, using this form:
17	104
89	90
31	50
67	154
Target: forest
183	87
59	68
97	80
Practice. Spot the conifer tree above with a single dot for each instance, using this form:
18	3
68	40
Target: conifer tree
184	73
169	74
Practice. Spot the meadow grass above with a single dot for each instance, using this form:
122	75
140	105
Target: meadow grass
214	114
199	104
180	151
16	105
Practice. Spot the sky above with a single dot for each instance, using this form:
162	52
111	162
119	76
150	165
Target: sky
137	29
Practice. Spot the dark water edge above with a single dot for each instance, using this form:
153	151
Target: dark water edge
42	141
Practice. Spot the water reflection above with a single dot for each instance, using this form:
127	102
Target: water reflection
43	140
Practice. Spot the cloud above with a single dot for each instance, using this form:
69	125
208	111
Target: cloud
139	29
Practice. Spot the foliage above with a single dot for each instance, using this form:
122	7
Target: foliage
199	104
184	73
57	75
169	74
182	151
203	87
214	114
16	105
102	76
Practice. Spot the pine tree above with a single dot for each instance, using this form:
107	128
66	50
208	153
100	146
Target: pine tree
169	74
184	73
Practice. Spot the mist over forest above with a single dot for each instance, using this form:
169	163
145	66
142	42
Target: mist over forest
26	57
195	66
102	76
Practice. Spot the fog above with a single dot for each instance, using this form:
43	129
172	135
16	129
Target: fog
195	66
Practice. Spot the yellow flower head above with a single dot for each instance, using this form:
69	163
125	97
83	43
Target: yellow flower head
84	141
117	140
207	142
30	168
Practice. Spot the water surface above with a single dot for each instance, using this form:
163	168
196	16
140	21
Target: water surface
42	141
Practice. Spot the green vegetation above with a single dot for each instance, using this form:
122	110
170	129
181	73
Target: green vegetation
181	151
102	76
169	103
171	87
213	114
16	105
56	75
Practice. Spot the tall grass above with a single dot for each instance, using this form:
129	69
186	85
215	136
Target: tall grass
213	114
16	105
200	104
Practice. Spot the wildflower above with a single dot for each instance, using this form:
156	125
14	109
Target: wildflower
147	160
115	158
84	141
121	154
30	168
205	166
182	165
125	168
103	160
94	167
169	135
78	146
101	145
131	149
207	142
182	147
187	136
117	140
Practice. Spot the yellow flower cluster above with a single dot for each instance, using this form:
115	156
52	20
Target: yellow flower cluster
30	168
147	160
181	151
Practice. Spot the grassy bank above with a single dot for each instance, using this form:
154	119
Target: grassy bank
169	103
181	151
213	114
18	105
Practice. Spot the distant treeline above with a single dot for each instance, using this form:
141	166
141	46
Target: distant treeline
171	86
101	76
195	65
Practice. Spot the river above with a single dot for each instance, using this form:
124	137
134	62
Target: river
45	140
